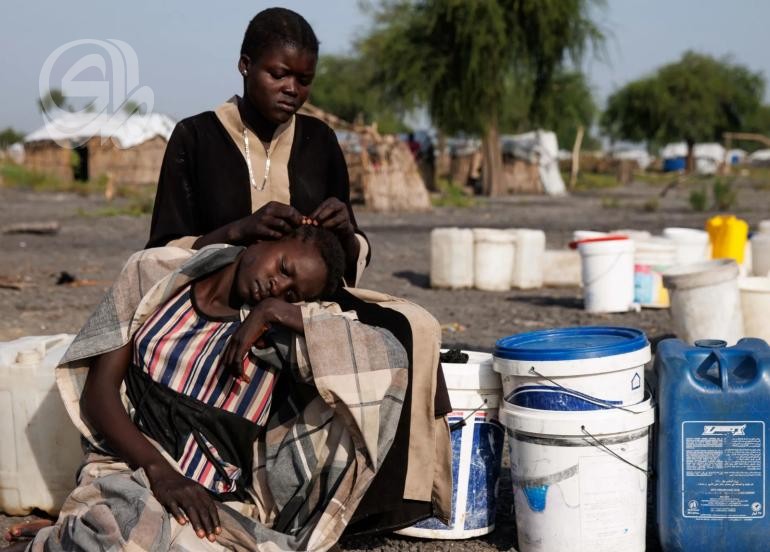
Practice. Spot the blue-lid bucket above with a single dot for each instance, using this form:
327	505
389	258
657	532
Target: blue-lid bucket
579	368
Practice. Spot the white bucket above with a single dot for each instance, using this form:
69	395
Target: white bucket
451	258
40	450
582	368
755	304
608	274
705	302
692	246
764	226
528	258
578	235
652	257
561	267
575	484
747	266
760	254
493	264
477	450
636	235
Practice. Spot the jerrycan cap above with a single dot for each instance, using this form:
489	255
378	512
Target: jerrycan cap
711	343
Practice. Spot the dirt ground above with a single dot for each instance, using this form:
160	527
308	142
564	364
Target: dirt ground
91	247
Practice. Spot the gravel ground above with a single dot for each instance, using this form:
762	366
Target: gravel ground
92	247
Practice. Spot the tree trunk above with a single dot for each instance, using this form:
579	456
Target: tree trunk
690	166
575	166
492	167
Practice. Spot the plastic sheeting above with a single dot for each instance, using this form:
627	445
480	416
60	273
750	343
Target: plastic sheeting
760	157
642	158
125	131
708	156
539	147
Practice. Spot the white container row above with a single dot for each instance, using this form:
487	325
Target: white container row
624	268
487	259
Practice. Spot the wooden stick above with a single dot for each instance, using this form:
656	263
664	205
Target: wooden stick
42	228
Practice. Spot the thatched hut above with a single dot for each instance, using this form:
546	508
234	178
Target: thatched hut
82	146
383	172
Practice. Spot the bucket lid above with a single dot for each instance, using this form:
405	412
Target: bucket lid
686	235
707	273
571	343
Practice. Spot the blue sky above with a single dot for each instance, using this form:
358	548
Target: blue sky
187	50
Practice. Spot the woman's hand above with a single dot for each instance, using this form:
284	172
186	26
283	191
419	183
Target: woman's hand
248	333
333	214
271	221
184	499
270	310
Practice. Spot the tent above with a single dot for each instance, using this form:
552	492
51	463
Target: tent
540	148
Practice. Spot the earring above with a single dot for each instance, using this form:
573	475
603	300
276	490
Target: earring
244	73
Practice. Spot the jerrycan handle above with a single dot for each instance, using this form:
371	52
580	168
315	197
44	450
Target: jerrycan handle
715	345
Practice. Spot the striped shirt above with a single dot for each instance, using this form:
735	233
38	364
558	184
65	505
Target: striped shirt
179	347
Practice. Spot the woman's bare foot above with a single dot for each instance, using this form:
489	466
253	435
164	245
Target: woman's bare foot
26	530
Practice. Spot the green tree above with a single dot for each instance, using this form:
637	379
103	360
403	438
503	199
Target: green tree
564	105
464	60
695	99
10	136
342	87
52	99
130	107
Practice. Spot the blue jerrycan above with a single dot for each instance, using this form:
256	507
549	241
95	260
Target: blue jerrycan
712	439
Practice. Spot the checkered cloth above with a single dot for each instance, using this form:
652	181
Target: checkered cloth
311	470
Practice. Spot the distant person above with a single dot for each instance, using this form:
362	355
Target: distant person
253	167
414	146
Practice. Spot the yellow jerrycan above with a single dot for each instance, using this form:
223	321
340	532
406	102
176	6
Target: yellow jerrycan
728	235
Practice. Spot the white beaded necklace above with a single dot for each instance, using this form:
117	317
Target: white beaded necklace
248	163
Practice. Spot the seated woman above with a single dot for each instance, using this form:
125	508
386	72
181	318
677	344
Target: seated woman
196	453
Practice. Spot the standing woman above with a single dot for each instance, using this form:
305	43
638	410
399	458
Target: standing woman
253	168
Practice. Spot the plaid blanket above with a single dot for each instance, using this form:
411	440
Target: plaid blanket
312	468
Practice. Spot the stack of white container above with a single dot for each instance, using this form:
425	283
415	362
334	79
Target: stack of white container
486	258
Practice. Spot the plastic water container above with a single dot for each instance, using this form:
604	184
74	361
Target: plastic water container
607	267
652	257
712	442
477	451
755	305
674	164
451	258
493	263
40	451
528	258
728	235
561	267
705	301
692	246
760	254
581	368
579	478
764	226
